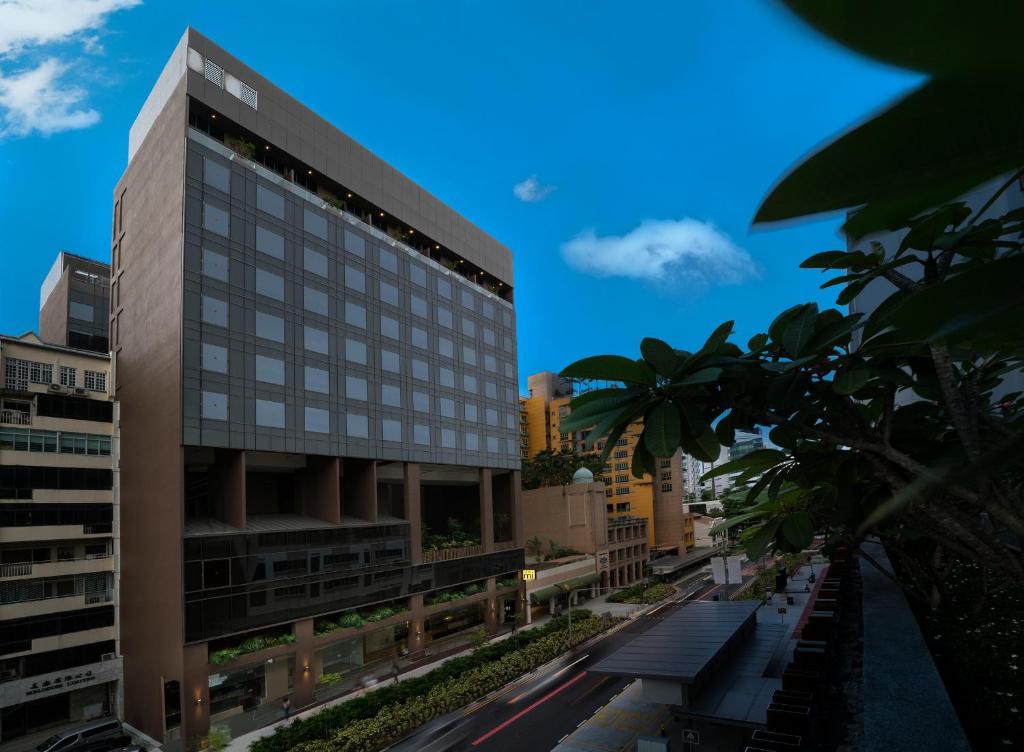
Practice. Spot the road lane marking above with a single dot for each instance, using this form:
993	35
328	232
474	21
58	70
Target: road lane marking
527	709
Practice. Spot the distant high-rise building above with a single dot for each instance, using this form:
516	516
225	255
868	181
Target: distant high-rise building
315	365
74	303
659	499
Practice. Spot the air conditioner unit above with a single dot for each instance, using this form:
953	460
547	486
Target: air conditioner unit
56	388
80	390
108	656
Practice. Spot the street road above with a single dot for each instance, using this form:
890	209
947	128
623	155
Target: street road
534	716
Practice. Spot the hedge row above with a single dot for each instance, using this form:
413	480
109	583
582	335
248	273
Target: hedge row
322	725
642	594
397	720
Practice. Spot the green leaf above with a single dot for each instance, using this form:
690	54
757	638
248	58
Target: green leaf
762	538
659	355
823	260
704	445
850	381
783	437
716	340
799	330
610	368
798	530
836	333
852	290
898	166
725	432
662	430
780	322
757	342
584	416
757	461
642	463
923	35
596	394
704	376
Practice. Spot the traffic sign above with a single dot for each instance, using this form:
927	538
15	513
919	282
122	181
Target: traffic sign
691	737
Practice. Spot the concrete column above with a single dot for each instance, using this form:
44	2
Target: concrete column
417	638
515	491
195	711
228	484
304	683
411	500
319	488
486	510
359	489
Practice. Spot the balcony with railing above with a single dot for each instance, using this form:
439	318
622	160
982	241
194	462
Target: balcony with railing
58	567
15	417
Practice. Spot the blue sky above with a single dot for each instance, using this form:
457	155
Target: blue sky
651	131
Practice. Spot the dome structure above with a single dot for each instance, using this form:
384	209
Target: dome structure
582	476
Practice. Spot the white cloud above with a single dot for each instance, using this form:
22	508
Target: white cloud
530	190
38	95
36	100
663	251
31	23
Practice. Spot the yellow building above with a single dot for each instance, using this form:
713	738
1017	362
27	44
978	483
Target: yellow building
659	499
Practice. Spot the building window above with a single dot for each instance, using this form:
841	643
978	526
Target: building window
472	442
316	380
468	300
355	351
214	358
622	442
314	301
355	388
388	261
622	491
314	262
215	220
421	402
214	311
622	466
389	327
666	475
468	355
355	315
269	284
418	275
447	438
622	479
446	347
317	420
357	426
418	306
269	370
315	340
355	244
447	407
469	383
269	242
492	444
391	395
444	317
447	377
81	311
314	224
666	486
269	201
420	370
421	434
269	326
666	463
355	279
68	376
216	175
388	293
269	413
620	453
215	265
488	336
391	430
419	338
214	406
389	361
469	412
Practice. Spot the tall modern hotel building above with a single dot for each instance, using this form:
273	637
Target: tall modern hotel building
315	364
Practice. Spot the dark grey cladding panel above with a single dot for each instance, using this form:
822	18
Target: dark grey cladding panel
684	644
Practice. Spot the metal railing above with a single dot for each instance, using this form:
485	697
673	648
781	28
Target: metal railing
448	554
17	417
97	528
16	570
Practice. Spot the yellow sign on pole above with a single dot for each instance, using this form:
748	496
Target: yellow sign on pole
529	574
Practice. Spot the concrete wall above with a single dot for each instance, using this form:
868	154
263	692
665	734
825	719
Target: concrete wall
574	516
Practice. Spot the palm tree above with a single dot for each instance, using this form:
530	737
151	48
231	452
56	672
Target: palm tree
535	547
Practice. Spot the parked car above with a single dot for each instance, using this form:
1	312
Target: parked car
82	737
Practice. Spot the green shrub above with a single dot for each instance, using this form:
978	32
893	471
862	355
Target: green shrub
369	705
218	738
642	593
351	620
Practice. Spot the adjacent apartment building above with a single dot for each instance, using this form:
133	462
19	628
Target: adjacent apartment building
316	370
58	641
74	303
658	499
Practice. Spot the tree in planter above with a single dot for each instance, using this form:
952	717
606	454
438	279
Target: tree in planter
535	547
549	468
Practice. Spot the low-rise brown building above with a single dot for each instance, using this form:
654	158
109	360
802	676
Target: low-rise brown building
574	517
